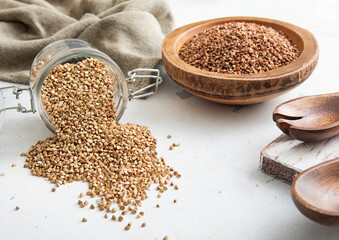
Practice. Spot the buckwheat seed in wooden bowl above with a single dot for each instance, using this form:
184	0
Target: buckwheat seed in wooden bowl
238	48
118	161
239	60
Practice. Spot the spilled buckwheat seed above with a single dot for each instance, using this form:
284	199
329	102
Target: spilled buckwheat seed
118	161
239	48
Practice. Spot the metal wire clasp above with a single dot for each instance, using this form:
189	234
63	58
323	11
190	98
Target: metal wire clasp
154	75
17	91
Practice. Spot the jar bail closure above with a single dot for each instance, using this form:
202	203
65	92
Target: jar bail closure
17	91
150	89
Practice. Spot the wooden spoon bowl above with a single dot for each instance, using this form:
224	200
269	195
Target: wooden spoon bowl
310	119
244	88
315	192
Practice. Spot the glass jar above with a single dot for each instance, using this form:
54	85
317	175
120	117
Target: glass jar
73	51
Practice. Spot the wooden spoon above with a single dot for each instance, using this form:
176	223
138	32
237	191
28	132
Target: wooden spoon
315	192
309	119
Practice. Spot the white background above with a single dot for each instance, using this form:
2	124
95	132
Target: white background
223	194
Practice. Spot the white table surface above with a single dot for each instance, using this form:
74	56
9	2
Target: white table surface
223	194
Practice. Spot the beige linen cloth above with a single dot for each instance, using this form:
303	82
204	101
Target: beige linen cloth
130	32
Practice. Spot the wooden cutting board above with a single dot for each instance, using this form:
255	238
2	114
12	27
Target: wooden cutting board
285	158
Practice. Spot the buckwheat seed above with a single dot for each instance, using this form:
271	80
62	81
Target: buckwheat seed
118	161
238	48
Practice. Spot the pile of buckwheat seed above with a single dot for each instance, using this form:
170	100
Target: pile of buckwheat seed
118	161
238	48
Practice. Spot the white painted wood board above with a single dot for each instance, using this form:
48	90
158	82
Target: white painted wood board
284	158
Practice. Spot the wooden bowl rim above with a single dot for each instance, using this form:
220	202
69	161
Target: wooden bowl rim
312	50
306	204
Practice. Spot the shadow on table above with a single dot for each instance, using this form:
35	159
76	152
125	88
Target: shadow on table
180	104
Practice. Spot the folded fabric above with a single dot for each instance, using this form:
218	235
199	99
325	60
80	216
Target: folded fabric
130	32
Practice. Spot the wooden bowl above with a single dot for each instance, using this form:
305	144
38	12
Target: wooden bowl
246	88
